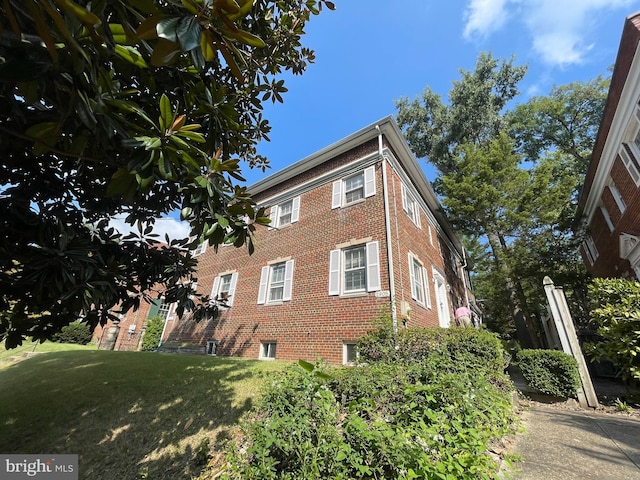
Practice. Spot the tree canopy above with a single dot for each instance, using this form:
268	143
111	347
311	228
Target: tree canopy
135	108
509	178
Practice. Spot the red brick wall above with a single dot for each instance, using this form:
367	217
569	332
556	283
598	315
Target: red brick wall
609	263
314	324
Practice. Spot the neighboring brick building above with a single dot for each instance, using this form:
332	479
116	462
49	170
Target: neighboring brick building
610	198
353	227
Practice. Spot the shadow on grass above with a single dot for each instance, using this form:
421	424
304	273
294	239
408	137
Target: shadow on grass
127	414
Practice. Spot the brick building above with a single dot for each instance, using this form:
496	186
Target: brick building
353	227
610	198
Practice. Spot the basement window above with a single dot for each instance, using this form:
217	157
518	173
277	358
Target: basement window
267	350
212	347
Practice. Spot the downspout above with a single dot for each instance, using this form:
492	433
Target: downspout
387	224
464	276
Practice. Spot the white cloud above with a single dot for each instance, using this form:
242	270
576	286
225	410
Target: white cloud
559	29
172	227
483	17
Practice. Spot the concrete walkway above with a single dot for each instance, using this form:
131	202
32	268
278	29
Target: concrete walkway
567	445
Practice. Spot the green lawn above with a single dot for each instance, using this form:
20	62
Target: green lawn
6	356
127	414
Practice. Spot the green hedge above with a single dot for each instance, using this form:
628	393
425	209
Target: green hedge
152	333
457	348
550	371
76	332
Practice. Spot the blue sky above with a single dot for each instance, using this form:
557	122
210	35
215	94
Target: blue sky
372	52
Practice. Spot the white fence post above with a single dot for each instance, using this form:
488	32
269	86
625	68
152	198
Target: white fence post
559	310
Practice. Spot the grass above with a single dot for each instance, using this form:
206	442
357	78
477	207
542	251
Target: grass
127	415
7	356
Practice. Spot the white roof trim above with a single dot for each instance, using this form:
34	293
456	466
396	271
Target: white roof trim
622	116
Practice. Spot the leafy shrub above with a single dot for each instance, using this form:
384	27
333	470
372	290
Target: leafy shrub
377	420
76	332
550	371
615	310
456	349
151	338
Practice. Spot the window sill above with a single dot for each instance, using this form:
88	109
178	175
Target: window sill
355	202
266	358
354	294
273	304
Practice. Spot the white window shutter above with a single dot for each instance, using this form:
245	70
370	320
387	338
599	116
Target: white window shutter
334	272
336	194
288	280
412	277
264	278
417	214
370	181
232	288
403	190
273	216
295	210
425	281
373	267
216	286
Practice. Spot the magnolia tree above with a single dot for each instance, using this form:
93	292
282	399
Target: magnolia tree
134	108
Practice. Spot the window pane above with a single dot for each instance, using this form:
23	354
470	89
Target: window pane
355	269
276	286
225	285
418	288
354	188
284	213
163	311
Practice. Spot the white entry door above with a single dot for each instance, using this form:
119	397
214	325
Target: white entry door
444	316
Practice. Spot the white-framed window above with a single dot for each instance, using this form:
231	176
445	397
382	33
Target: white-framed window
224	287
165	309
419	282
285	213
267	350
353	188
629	158
276	282
410	206
607	217
354	269
212	347
615	193
590	249
349	353
199	250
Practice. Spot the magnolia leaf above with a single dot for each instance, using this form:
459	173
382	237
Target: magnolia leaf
167	28
188	33
85	16
122	184
185	213
147	29
130	54
195	136
43	130
192	6
178	123
247	38
164	53
229	6
244	10
166	115
208	46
